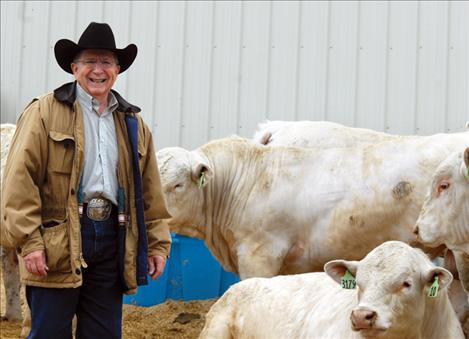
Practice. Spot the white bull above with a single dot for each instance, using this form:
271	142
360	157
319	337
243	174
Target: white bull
11	279
391	302
320	134
264	211
444	218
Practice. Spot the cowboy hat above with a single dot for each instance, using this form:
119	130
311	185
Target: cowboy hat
95	36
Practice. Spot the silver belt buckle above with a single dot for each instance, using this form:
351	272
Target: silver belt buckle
98	209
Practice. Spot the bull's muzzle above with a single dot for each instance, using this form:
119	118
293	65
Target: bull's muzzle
363	318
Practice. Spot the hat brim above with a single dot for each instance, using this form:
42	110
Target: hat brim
65	51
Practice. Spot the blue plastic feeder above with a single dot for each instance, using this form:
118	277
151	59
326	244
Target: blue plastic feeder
191	273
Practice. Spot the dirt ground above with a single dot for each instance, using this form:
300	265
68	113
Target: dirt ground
170	320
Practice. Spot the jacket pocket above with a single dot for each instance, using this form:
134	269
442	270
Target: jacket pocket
61	152
57	247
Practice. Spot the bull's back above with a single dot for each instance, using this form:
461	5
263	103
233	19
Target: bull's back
282	307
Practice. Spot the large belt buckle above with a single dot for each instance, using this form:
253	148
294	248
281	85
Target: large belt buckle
98	209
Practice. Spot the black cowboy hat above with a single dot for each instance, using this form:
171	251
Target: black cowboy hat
95	36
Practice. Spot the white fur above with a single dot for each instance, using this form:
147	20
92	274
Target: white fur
314	306
320	134
444	218
270	210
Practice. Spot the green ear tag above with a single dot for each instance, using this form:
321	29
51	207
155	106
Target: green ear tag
468	171
201	180
348	281
433	291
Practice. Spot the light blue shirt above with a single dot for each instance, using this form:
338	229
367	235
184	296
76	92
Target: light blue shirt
101	153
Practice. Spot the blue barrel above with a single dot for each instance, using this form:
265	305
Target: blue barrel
192	273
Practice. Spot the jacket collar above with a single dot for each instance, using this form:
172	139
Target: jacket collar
67	95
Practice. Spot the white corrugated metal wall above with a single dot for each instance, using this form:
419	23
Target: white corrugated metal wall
208	69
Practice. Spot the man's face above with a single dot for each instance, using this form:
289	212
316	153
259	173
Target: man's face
96	71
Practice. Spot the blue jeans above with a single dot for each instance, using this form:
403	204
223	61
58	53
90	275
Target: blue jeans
97	303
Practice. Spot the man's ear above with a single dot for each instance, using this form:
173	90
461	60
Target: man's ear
73	67
336	269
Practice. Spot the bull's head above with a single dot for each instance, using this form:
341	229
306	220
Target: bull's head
444	217
184	174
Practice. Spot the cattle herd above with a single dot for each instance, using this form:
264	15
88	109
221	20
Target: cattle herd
334	231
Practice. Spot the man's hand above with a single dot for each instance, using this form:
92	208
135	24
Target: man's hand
35	263
156	266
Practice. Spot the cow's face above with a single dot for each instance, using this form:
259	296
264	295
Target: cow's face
183	177
392	283
444	218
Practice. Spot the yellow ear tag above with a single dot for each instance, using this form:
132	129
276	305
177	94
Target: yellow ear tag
201	182
433	291
348	281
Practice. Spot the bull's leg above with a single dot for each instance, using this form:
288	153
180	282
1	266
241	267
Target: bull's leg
218	320
259	260
11	280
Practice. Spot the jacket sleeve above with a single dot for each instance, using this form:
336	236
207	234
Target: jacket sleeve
24	174
159	238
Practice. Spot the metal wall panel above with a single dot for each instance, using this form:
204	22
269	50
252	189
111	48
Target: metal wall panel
254	65
283	65
342	76
371	65
457	84
208	69
312	60
11	49
225	82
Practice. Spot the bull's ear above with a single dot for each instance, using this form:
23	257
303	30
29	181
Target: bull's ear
443	275
336	269
465	164
201	174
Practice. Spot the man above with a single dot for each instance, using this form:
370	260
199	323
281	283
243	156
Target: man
82	200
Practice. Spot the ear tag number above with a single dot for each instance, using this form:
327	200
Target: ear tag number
348	281
433	291
201	182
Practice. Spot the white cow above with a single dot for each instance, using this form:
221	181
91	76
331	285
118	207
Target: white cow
392	301
320	134
264	211
444	218
9	261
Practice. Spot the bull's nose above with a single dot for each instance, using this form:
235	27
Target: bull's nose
416	230
363	318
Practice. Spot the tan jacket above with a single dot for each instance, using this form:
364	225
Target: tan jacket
41	182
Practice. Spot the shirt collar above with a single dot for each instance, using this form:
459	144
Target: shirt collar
92	104
66	94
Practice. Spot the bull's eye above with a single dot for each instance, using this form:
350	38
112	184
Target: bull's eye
443	186
177	186
406	284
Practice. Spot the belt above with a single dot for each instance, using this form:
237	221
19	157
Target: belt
99	209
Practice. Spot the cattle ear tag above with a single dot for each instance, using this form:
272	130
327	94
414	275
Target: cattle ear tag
433	291
348	281
201	180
